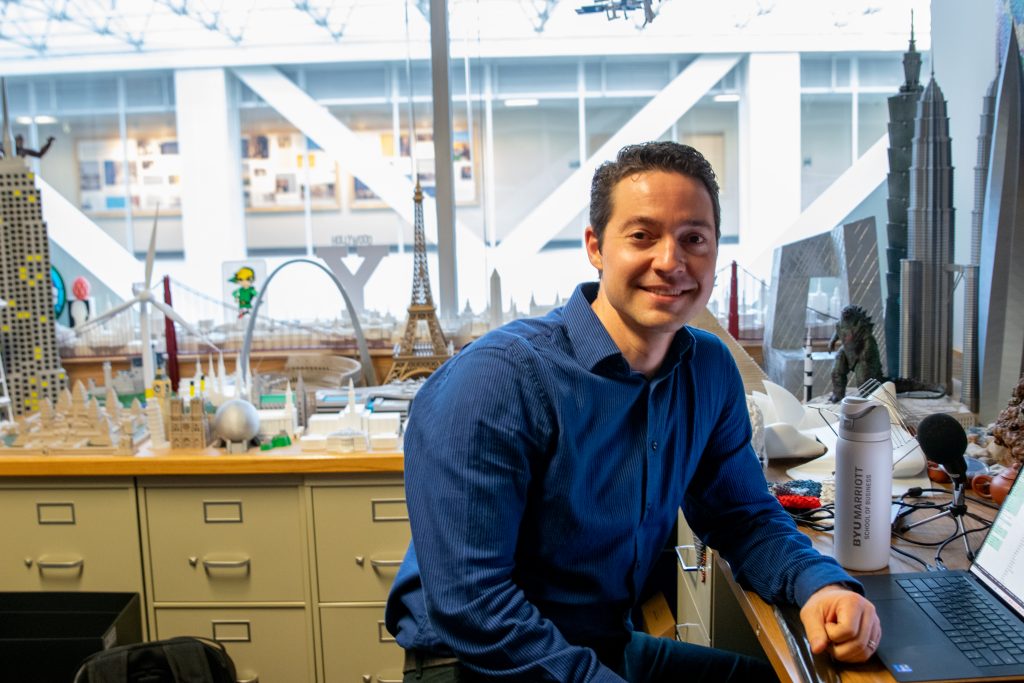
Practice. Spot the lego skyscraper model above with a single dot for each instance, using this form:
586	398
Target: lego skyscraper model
902	112
27	339
926	331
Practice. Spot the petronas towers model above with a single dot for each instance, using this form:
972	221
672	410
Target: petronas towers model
926	281
969	384
902	113
29	346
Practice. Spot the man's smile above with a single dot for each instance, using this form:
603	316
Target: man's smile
666	291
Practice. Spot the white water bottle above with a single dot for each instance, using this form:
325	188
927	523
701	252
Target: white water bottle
863	485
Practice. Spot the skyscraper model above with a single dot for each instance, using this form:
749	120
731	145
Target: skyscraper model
969	377
27	340
926	288
902	111
1001	280
414	358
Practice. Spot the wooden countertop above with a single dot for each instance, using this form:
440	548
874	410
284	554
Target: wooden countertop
289	460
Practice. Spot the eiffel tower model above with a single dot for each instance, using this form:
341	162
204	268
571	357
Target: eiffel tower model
415	357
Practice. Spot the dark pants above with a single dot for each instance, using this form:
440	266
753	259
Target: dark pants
646	660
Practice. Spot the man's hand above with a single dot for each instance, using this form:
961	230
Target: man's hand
843	622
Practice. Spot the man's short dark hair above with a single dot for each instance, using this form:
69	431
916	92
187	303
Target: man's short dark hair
649	156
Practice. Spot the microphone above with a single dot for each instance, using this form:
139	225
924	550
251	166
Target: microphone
944	441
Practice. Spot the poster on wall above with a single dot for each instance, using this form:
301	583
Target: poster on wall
277	169
146	173
463	166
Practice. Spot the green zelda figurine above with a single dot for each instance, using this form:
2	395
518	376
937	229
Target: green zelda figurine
858	351
244	278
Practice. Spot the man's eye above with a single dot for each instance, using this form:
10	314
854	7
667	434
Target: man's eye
639	236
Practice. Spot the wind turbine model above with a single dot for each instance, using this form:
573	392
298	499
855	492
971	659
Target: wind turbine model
144	298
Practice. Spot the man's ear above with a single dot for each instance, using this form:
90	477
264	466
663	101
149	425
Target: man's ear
593	246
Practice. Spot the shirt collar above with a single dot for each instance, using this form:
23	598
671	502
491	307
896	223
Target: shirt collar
593	344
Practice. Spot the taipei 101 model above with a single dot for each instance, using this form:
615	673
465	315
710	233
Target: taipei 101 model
27	338
902	112
926	334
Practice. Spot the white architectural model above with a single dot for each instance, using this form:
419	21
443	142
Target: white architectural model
78	425
353	429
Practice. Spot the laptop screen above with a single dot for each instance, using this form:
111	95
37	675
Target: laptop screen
1000	562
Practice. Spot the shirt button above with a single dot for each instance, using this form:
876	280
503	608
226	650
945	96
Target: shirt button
654	445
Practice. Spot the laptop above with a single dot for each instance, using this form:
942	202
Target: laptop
930	631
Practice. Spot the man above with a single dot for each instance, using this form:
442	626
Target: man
546	461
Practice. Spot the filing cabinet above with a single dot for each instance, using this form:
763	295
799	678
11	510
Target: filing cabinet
357	647
80	536
228	560
360	535
265	643
289	572
226	544
694	587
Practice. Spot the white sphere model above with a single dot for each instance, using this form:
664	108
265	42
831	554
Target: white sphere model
236	421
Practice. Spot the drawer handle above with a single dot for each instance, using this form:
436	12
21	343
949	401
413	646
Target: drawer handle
377	564
682	561
389	680
254	678
226	564
60	564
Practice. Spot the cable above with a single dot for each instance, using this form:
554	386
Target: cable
816	518
942	546
915	558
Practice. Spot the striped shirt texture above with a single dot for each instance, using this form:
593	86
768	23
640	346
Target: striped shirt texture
543	477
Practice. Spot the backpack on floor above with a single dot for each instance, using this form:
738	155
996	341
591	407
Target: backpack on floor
176	660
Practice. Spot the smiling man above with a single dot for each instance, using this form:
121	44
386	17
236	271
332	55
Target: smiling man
545	464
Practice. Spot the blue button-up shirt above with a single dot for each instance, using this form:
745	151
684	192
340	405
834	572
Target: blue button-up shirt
543	477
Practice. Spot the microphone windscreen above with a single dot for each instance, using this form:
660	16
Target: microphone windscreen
944	441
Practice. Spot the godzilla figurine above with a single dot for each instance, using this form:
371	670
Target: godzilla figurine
858	351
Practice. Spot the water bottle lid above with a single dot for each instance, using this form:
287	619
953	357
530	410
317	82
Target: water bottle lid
863	419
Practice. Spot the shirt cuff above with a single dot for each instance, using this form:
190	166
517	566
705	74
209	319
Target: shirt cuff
814	578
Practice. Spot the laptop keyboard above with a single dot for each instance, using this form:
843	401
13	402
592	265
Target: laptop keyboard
972	618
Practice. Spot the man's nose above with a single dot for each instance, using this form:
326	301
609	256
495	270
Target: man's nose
670	255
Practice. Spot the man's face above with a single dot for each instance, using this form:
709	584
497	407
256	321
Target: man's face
657	258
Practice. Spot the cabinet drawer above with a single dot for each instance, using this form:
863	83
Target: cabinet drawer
356	646
69	539
226	544
362	533
271	643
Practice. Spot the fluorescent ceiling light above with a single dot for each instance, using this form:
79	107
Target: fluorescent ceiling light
726	97
522	102
41	119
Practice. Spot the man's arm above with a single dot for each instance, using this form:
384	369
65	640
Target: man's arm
473	431
728	505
